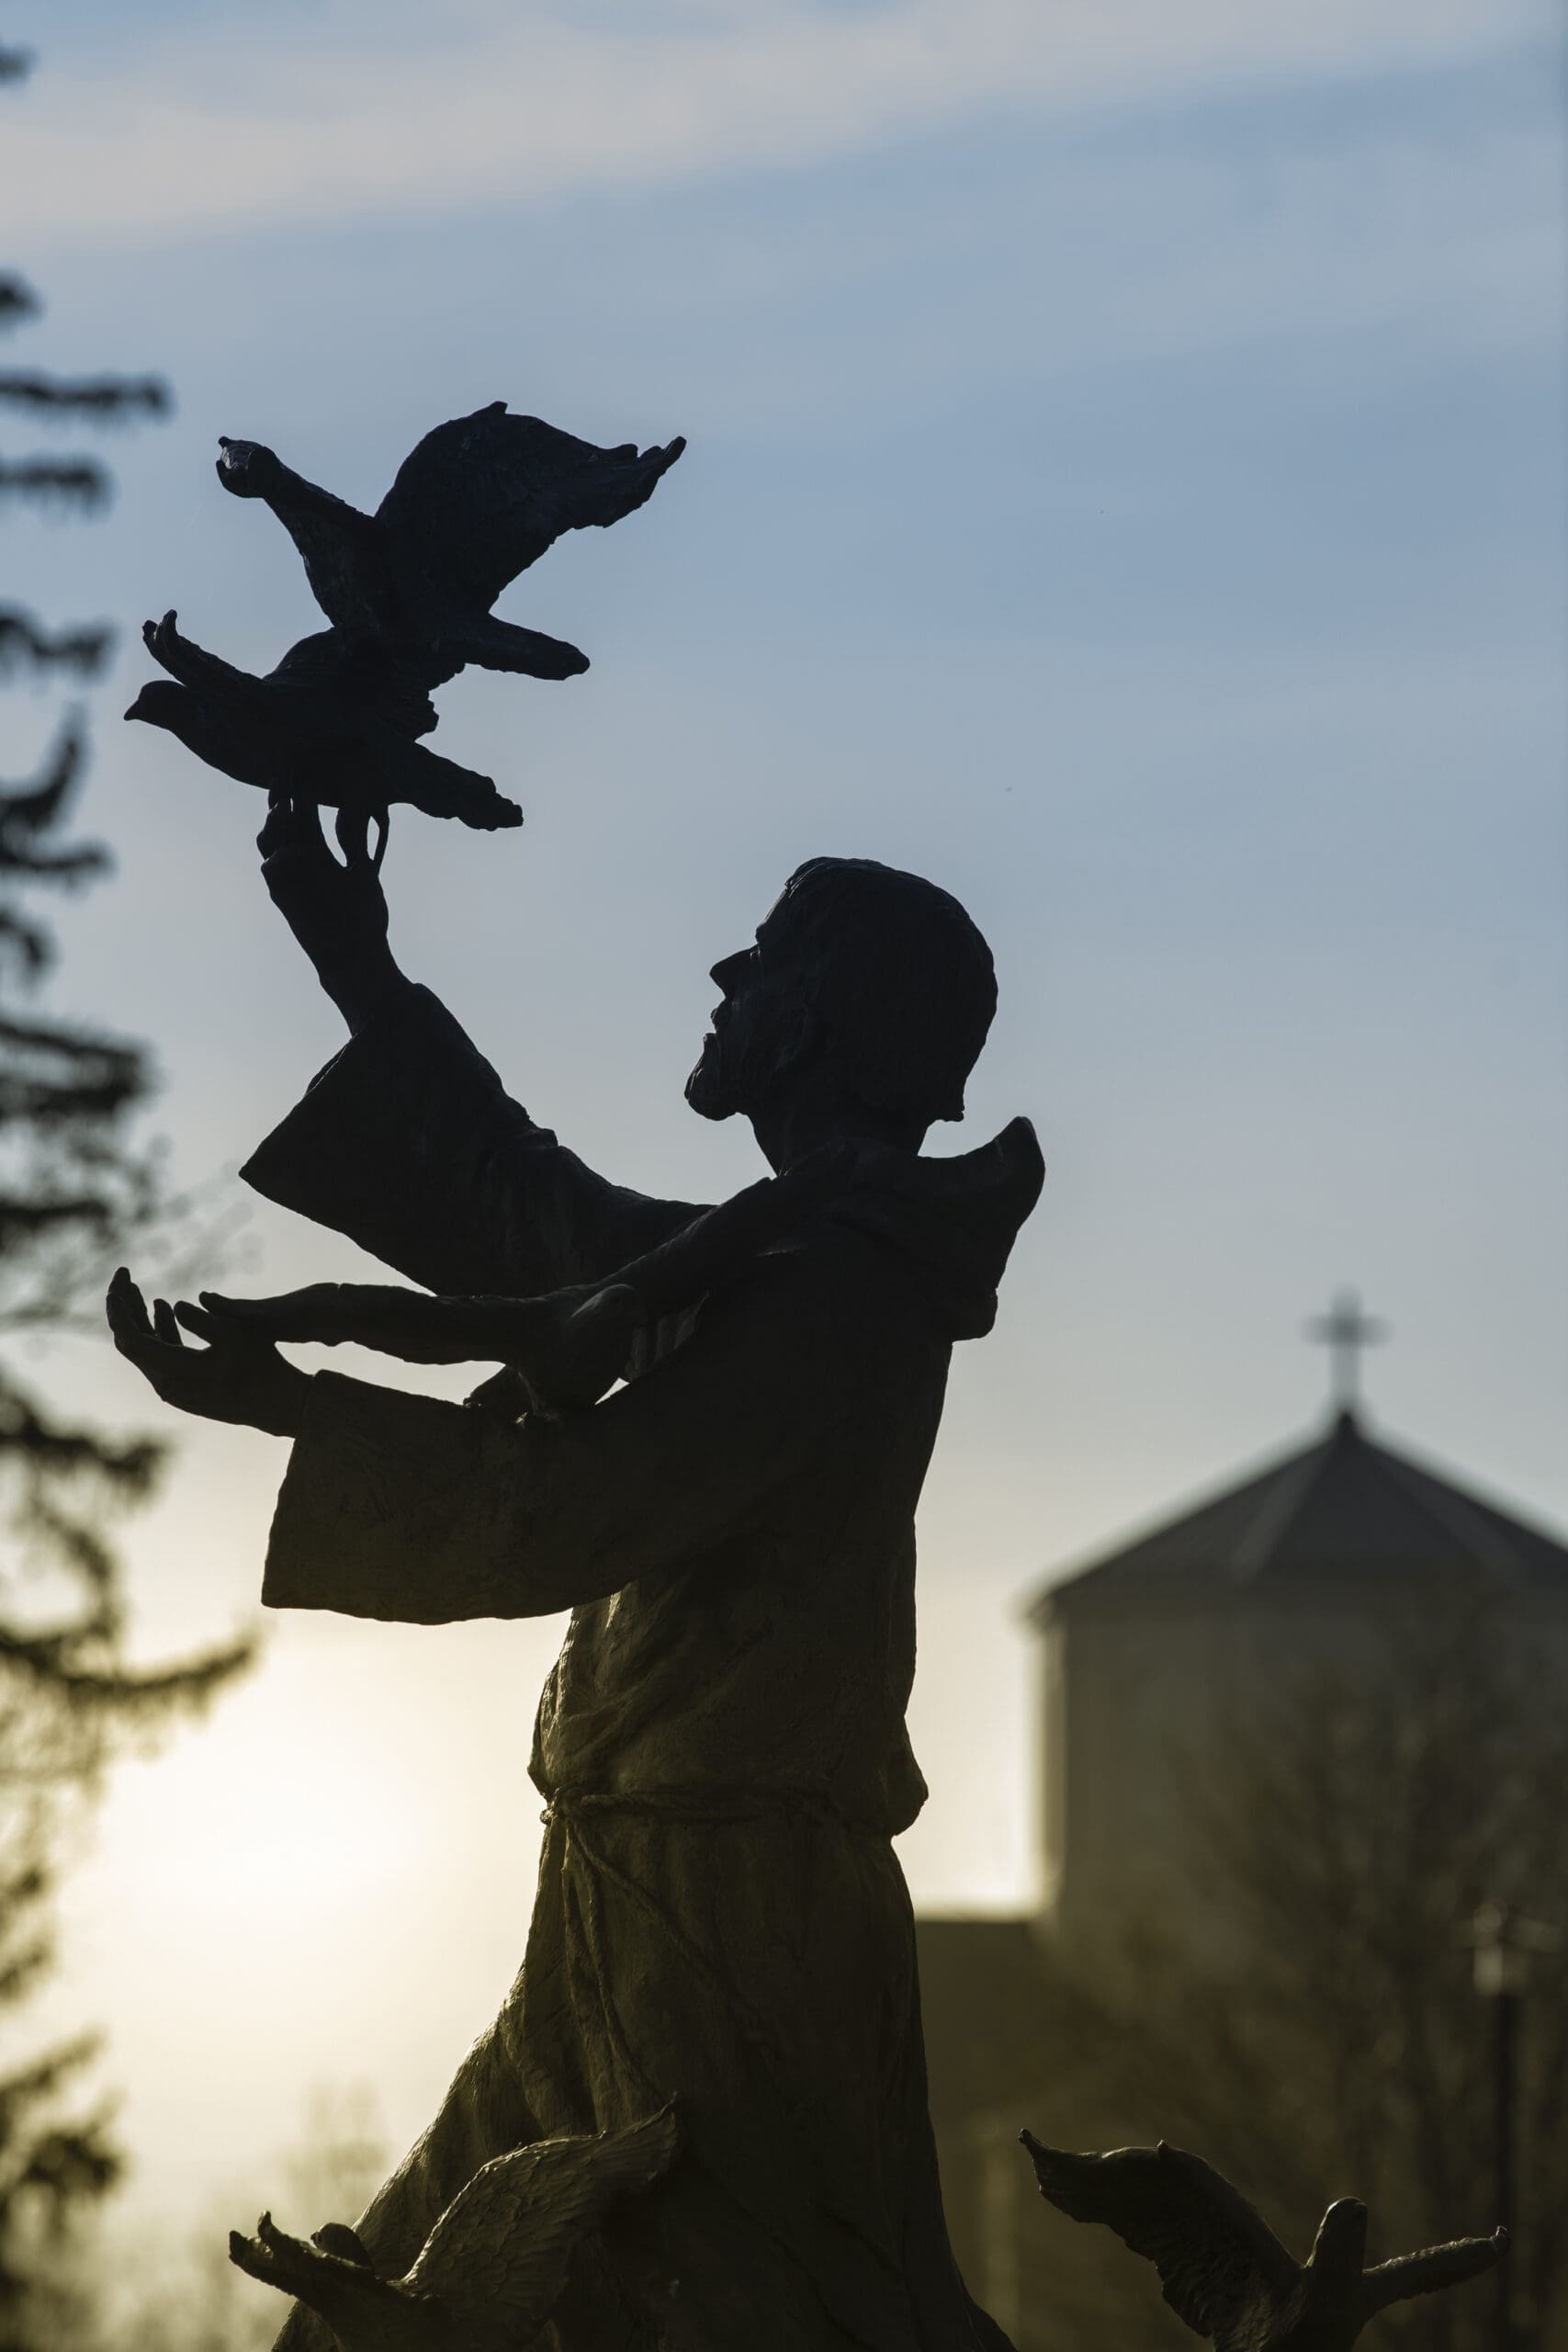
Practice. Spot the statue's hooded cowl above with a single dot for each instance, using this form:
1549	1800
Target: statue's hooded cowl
721	1744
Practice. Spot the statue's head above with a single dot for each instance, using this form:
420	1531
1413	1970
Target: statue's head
869	988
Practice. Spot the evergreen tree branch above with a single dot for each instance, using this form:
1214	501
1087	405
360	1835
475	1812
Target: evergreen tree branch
81	482
105	399
85	649
31	812
76	1196
18	301
27	950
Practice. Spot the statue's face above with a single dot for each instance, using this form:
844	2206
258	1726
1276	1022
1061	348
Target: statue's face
758	1023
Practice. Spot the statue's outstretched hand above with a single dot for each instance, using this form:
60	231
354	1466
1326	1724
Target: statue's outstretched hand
338	913
237	1376
569	1345
562	1351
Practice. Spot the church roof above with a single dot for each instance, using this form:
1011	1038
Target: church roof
1345	1506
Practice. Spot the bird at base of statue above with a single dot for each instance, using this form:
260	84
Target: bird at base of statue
495	2265
1222	2269
330	724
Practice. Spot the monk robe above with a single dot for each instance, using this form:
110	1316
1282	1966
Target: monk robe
721	1745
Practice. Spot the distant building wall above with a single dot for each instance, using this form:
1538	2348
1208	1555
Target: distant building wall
1135	1702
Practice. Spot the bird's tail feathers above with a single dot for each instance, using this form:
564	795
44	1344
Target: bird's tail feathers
442	789
490	644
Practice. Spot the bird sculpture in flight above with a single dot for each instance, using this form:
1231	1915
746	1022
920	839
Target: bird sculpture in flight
475	503
407	591
494	2266
317	728
1224	2270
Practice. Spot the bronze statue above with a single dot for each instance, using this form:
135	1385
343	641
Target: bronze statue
706	1438
721	1918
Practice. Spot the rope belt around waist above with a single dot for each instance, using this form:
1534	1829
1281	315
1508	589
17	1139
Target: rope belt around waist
702	1805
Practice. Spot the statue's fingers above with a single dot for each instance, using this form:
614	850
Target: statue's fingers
127	1312
291	824
147	1341
312	1313
274	823
1436	2266
197	1320
376	1315
352	827
164	1323
258	1314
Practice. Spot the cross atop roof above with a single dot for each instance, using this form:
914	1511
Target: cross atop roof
1345	1331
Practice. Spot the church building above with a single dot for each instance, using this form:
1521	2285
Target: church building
1147	1655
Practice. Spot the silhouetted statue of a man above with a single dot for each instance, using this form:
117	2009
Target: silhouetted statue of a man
721	1745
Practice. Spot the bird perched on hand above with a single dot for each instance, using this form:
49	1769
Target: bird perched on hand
1224	2270
334	723
494	2266
477	501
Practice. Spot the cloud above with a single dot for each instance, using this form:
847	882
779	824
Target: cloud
366	110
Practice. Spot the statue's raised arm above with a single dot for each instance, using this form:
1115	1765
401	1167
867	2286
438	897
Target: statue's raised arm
407	1141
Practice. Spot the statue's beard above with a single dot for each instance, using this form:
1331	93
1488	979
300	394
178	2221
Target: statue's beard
709	1089
736	1070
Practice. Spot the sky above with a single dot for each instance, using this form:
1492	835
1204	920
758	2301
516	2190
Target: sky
1124	483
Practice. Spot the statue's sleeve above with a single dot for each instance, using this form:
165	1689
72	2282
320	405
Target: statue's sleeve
409	1509
408	1142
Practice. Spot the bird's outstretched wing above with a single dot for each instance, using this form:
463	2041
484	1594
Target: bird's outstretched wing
1216	2256
203	673
480	499
390	687
503	2245
1430	2272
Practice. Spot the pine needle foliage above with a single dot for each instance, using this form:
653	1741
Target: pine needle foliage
77	1195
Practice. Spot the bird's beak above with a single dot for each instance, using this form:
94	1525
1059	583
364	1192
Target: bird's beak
139	709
